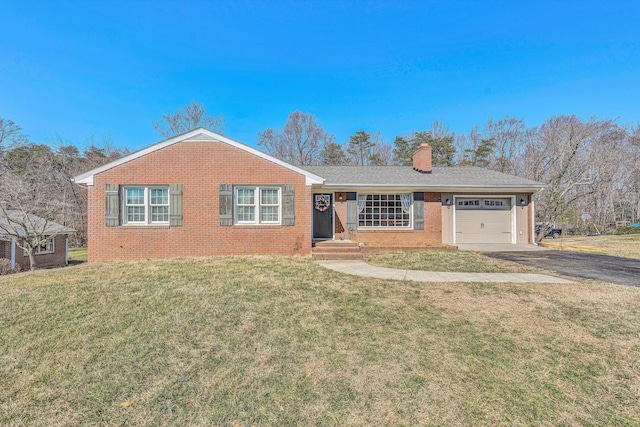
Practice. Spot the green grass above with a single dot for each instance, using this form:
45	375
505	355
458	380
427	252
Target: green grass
77	255
447	260
625	246
280	341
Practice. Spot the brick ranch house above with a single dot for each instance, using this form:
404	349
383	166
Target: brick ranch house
51	253
201	194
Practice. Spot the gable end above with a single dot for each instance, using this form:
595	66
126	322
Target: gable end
199	134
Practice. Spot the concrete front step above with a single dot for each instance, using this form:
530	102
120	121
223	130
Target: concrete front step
337	249
335	243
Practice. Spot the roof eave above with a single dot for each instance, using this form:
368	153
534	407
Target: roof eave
437	188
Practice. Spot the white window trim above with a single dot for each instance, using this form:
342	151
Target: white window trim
409	227
257	196
37	250
147	205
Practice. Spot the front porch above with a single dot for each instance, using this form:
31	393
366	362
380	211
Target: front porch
336	250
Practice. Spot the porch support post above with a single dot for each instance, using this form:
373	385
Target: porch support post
66	251
13	253
532	220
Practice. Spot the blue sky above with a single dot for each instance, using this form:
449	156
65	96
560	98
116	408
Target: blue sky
86	68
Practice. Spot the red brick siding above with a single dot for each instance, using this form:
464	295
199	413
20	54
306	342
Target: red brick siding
422	158
200	167
430	236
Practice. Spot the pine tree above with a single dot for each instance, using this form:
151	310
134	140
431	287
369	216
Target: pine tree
404	149
480	155
442	148
360	148
333	155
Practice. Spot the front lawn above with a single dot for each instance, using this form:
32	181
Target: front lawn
77	255
624	245
447	260
282	341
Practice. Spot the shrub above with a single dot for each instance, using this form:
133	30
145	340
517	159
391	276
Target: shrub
5	267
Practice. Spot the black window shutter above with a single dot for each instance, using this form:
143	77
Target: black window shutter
288	205
226	204
418	211
175	205
112	207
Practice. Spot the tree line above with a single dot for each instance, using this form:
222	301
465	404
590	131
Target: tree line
590	168
36	179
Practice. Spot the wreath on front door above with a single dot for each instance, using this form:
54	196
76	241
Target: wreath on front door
322	203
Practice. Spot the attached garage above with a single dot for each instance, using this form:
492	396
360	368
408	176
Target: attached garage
484	220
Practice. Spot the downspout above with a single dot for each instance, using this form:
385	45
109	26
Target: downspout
13	254
66	251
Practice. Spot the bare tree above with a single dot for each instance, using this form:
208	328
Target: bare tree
508	136
300	142
439	130
575	159
52	167
10	134
633	167
384	153
624	193
70	163
27	216
381	152
188	118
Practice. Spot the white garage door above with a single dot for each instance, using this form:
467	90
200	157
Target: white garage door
483	220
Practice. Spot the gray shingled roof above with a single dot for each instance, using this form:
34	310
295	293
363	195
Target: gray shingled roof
441	178
13	218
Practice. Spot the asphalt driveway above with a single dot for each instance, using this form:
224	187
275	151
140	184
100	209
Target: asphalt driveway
623	271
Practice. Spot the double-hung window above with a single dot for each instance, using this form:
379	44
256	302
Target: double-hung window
46	247
384	210
146	205
258	205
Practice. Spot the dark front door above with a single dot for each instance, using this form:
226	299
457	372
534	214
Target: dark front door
322	216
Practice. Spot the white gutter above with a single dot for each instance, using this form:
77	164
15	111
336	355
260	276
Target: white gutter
442	189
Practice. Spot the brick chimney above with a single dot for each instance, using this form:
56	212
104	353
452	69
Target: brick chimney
422	159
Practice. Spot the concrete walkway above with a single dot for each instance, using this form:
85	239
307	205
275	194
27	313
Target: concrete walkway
361	268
